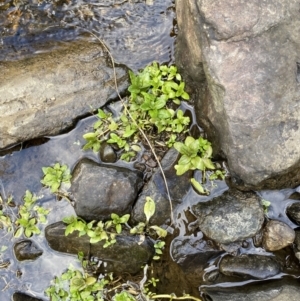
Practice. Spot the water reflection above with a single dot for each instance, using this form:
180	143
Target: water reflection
136	32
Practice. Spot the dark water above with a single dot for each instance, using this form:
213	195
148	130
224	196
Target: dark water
136	32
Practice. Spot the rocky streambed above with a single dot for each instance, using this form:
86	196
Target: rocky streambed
228	245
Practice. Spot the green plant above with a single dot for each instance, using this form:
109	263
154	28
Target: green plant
97	231
149	210
73	285
55	176
217	174
29	216
124	296
152	92
159	245
196	154
266	205
198	186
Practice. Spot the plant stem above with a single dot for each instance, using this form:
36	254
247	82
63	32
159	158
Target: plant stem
166	296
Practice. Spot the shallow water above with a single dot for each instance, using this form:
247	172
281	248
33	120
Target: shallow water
22	170
136	32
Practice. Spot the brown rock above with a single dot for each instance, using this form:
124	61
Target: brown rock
277	235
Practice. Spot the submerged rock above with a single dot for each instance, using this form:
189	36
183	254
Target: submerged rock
293	212
156	189
193	253
277	235
248	108
249	266
101	190
273	290
231	217
53	90
27	250
23	297
127	255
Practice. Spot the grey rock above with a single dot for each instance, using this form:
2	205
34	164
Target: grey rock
249	266
24	297
297	239
193	253
249	53
100	190
274	290
127	255
231	217
27	250
293	212
107	153
277	235
45	94
178	187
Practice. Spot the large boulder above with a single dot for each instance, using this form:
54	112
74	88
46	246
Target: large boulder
45	94
249	52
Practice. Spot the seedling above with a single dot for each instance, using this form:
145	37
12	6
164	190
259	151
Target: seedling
55	176
29	216
196	154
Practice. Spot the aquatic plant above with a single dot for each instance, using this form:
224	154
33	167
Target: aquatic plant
55	176
152	92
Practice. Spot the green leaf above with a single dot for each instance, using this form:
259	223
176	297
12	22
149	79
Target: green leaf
118	228
101	114
136	148
159	231
199	188
149	208
19	232
125	218
185	160
181	169
208	164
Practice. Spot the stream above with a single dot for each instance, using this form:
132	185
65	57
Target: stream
137	33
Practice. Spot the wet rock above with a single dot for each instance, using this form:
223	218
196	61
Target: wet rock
100	190
107	153
128	254
293	212
193	253
231	217
273	290
178	187
232	248
72	244
27	250
297	239
53	90
277	235
23	297
252	84
250	266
